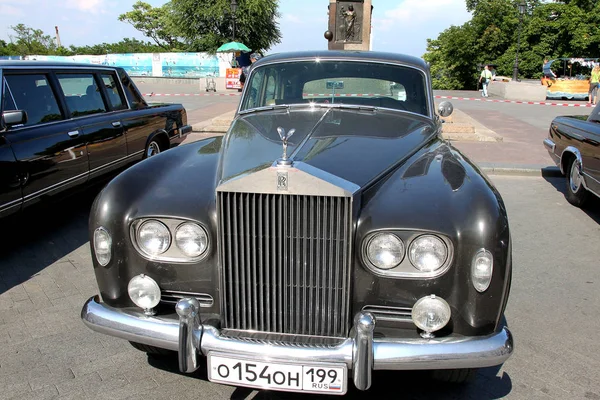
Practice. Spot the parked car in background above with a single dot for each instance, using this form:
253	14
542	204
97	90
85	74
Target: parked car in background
330	233
64	125
574	144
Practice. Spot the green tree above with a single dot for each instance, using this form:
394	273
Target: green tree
28	41
549	30
154	22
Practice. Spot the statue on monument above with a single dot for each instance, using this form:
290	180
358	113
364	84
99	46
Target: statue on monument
349	17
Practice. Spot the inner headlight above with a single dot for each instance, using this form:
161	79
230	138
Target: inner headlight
153	237
102	246
191	239
144	292
385	251
428	253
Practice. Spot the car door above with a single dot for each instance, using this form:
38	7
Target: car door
590	151
98	123
11	196
51	154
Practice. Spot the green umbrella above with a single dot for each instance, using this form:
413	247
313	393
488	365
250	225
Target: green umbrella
232	46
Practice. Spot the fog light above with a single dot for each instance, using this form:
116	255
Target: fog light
431	314
144	292
102	246
482	268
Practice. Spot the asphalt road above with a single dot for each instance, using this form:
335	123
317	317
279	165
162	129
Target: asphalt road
46	352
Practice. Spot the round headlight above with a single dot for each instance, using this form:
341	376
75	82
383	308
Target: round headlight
153	237
191	239
385	251
428	253
102	246
481	270
144	291
431	313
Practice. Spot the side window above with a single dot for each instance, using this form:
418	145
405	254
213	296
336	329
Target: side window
133	96
82	94
32	93
253	95
271	89
112	89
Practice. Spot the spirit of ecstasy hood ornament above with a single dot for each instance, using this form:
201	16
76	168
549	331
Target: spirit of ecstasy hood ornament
284	139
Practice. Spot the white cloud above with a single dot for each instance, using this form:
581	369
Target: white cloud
7	9
91	6
412	22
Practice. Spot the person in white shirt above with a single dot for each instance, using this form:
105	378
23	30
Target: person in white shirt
485	79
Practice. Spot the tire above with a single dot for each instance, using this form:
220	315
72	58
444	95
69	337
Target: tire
154	351
455	376
576	193
153	148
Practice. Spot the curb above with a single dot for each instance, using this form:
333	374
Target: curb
546	172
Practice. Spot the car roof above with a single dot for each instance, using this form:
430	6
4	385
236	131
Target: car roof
49	64
346	54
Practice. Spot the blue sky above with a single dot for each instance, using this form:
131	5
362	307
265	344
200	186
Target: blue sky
398	26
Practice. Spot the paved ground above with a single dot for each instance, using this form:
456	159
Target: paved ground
46	352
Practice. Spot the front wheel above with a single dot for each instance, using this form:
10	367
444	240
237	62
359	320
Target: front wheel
153	148
576	193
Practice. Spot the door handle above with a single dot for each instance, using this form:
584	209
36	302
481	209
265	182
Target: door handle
116	124
74	134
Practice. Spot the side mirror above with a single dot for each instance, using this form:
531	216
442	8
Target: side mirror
11	118
445	109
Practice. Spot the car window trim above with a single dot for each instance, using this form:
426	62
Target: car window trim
6	88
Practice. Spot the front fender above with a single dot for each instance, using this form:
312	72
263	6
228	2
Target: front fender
179	183
440	191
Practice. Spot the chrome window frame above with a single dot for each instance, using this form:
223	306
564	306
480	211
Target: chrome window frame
428	90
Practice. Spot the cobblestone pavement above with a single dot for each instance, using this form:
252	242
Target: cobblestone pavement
46	352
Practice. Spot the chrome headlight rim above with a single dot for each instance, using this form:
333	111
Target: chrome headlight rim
370	240
173	254
405	270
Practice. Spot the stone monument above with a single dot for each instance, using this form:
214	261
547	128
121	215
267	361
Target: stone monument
349	25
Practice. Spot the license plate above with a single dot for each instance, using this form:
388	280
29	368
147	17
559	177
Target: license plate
313	378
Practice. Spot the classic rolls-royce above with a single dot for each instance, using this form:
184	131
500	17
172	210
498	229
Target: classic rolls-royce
63	125
573	142
330	233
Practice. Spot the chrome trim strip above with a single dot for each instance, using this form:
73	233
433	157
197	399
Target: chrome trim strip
428	90
47	66
8	206
575	152
388	353
137	153
31	196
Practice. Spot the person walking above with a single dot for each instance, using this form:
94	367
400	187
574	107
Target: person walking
594	83
485	78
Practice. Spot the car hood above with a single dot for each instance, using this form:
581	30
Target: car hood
355	145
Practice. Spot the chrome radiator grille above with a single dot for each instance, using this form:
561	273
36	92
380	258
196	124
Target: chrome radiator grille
286	262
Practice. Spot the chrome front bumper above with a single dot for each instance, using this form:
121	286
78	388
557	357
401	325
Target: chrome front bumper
361	353
551	146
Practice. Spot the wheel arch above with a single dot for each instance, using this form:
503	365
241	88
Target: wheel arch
162	137
566	156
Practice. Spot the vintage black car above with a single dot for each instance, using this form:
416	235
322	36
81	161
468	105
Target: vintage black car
331	232
67	124
574	144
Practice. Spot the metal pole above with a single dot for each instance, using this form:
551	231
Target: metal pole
516	67
234	27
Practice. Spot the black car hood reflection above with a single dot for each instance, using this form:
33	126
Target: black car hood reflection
356	145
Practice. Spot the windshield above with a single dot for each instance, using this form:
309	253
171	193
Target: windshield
338	82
